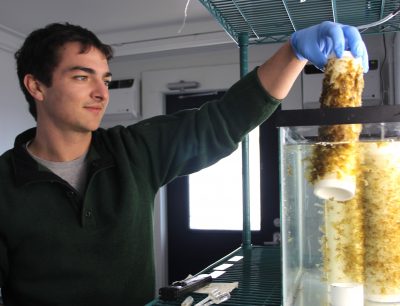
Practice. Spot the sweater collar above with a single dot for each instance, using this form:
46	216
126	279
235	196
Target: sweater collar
27	170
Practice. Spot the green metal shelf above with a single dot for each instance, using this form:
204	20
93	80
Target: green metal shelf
271	21
258	274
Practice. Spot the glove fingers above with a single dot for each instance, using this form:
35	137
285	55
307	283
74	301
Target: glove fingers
327	46
319	57
365	62
354	41
335	32
316	43
356	45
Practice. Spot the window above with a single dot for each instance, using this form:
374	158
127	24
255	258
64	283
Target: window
215	193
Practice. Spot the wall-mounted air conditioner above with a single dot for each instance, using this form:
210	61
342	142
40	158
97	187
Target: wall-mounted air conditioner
124	101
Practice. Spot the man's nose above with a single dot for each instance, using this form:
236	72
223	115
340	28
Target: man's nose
100	91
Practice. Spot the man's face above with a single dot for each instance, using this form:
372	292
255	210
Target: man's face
78	96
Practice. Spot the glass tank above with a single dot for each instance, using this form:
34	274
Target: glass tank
340	206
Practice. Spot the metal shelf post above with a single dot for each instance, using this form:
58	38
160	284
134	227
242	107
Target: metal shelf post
246	235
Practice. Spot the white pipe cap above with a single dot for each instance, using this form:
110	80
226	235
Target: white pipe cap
347	294
335	189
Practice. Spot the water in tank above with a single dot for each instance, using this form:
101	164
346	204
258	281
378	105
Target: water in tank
340	209
340	198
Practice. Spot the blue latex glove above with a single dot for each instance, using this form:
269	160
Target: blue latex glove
316	43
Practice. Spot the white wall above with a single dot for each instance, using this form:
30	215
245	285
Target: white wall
14	114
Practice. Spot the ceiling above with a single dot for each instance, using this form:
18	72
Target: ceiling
131	26
271	21
135	27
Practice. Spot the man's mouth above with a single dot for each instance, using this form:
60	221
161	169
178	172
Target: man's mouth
94	109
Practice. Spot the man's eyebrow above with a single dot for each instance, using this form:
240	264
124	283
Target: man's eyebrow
88	70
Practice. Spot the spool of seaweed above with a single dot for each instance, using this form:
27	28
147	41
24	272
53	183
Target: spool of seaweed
334	172
334	158
334	162
381	197
343	240
343	82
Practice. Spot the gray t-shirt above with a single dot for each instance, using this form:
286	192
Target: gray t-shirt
74	171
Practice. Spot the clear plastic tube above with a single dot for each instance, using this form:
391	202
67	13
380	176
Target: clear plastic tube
188	301
214	297
379	22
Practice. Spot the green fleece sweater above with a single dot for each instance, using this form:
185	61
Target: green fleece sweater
60	248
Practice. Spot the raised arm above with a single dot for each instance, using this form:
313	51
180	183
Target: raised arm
315	44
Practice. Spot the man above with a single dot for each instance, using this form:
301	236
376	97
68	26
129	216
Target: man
76	201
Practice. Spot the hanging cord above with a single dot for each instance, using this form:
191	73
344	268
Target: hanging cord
184	18
379	22
381	72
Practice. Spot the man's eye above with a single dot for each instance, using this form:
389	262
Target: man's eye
107	82
80	77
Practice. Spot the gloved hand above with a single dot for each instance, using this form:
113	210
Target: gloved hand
316	43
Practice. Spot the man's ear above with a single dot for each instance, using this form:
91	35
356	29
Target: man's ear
34	86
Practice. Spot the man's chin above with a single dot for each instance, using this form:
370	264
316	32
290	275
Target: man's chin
88	129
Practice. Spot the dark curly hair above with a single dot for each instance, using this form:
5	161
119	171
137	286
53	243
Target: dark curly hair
39	54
